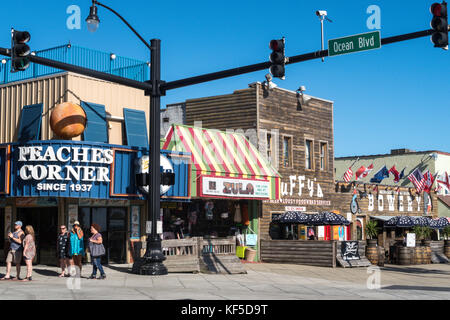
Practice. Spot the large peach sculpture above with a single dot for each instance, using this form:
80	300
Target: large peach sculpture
68	120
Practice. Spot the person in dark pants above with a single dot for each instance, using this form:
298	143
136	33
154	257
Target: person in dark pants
97	250
63	250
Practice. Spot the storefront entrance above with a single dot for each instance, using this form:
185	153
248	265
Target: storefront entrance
45	223
113	224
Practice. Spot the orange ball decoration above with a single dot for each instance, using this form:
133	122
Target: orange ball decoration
68	120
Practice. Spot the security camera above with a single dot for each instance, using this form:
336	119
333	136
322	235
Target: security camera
301	89
321	13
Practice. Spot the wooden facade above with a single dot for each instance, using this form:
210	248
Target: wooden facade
272	121
272	117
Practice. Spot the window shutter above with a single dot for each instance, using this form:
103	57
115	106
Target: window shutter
30	122
135	128
96	128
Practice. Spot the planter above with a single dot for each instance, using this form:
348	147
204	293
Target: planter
404	255
372	254
426	243
372	243
447	248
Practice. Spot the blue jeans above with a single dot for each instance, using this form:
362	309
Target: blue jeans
97	264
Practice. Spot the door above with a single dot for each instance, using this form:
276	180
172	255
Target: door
117	228
3	236
113	225
44	221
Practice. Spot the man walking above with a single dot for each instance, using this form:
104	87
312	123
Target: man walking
15	250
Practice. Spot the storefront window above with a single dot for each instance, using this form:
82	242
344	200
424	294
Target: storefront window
287	151
323	155
309	154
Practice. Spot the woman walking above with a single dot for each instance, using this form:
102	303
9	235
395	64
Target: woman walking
76	246
29	251
63	249
96	249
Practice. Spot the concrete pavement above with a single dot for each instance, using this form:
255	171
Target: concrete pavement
262	282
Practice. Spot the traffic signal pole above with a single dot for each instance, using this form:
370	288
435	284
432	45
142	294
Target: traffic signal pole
265	65
164	86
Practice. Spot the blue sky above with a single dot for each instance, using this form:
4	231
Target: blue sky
383	99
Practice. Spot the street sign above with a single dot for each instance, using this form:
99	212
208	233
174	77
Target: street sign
355	43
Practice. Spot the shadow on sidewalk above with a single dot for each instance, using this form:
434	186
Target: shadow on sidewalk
46	272
415	270
123	269
398	287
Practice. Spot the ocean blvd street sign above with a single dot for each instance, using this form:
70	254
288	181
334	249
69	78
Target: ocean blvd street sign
355	43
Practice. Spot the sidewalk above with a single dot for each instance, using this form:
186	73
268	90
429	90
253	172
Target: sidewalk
262	282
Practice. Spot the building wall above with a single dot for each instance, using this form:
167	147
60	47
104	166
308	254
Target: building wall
278	114
64	87
14	96
115	97
255	112
173	114
235	111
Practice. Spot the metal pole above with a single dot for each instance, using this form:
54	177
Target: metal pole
321	27
154	257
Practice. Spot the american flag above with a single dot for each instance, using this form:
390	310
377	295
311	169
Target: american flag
417	179
348	175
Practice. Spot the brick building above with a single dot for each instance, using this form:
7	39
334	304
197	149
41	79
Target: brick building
295	133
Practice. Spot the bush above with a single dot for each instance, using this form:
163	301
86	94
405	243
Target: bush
372	229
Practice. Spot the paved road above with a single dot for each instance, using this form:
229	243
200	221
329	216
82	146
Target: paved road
262	282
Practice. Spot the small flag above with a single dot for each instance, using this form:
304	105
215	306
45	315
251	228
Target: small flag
375	189
394	171
429	181
367	171
348	175
359	172
402	174
444	181
380	175
417	179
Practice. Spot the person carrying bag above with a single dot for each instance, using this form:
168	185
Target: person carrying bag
97	250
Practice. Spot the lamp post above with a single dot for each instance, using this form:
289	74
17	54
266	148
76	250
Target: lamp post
152	262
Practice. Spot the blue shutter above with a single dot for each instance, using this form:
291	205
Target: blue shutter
135	128
96	128
30	122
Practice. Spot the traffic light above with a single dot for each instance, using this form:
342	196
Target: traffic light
439	24
19	50
277	58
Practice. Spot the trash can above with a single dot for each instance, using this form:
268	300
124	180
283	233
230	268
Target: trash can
250	254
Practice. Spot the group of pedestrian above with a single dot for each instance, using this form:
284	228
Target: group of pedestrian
69	248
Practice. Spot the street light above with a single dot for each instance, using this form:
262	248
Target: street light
152	262
92	20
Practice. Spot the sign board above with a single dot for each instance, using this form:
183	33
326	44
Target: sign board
159	227
299	209
355	43
410	239
165	166
321	232
228	187
350	250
